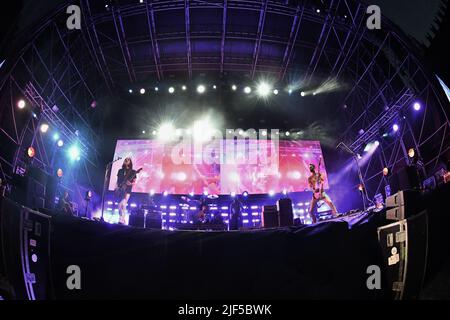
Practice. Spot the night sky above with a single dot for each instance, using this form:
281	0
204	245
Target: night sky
415	17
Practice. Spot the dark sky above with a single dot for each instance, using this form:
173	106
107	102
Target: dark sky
415	17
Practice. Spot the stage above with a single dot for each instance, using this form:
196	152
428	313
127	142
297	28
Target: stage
324	261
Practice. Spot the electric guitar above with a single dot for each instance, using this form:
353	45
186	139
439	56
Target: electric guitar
318	190
121	189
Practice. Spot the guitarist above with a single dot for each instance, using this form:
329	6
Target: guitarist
126	178
315	182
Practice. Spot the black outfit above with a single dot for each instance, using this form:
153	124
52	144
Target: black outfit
121	178
235	215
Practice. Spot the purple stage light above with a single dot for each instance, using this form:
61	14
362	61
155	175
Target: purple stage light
395	127
417	106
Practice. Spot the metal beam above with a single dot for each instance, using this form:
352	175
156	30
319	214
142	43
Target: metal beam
188	37
260	32
123	44
153	39
224	32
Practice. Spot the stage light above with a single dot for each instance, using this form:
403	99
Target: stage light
60	143
275	92
395	127
360	187
171	90
59	173
88	195
263	89
166	131
233	87
264	133
142	91
385	171
411	153
214	87
247	90
56	136
202	129
21	104
74	153
143	131
130	91
285	192
290	91
154	132
245	194
183	88
241	132
271	193
44	127
156	89
377	143
165	193
417	106
205	193
287	133
302	93
233	194
31	152
359	156
152	192
201	89
191	193
34	115
318	10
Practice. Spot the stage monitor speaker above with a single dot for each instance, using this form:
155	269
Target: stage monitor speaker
404	246
25	252
269	217
404	204
137	219
285	212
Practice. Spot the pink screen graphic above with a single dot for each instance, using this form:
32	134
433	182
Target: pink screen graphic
161	174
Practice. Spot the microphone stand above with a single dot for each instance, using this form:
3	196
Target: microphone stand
105	184
364	195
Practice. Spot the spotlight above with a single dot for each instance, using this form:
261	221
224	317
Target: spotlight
166	131
264	133
59	173
191	193
275	92
205	193
143	131
263	89
417	106
201	89
290	91
88	195
142	91
152	192
74	153
395	127
34	115
284	191
130	90
171	90
271	193
21	104
56	136
183	88
60	143
411	153
165	193
233	194
302	93
247	90
287	133
245	194
385	171
156	89
233	87
154	132
360	187
377	143
318	10
31	152
214	87
241	132
44	127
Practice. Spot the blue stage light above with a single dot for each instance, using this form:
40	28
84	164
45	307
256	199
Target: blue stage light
74	153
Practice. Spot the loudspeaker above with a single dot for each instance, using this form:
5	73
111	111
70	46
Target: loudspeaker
404	247
404	204
285	212
25	251
269	217
137	220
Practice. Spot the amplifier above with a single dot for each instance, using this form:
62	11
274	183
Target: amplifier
285	212
269	217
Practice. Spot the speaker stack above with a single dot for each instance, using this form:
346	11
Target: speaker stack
269	217
25	251
404	245
285	213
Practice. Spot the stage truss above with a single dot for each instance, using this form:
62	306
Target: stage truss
72	69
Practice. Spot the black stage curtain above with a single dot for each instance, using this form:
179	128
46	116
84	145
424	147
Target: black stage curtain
326	261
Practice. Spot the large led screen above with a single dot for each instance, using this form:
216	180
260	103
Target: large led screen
257	166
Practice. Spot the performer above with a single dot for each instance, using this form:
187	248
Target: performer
315	182
64	205
126	178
